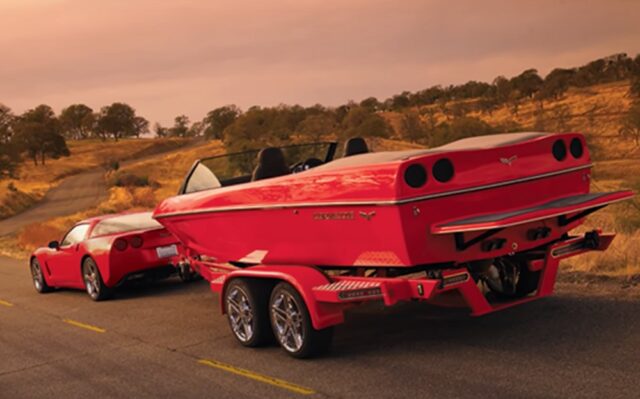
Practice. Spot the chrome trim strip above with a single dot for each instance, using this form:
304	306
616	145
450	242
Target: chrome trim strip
372	202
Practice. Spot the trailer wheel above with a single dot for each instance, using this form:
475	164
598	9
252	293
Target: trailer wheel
246	304
528	281
292	326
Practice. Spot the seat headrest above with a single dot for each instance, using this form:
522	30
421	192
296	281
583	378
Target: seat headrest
271	163
355	146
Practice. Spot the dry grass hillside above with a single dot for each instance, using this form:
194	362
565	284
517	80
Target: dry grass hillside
34	181
595	111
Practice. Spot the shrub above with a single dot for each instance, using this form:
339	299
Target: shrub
129	179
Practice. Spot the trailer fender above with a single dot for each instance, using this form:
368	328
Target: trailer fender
302	278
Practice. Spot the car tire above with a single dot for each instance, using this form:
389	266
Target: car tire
94	285
246	306
38	278
291	324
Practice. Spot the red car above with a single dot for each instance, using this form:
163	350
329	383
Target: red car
100	253
485	220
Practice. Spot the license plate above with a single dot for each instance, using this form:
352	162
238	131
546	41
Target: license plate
168	251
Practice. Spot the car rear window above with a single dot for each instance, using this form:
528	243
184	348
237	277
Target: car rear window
121	224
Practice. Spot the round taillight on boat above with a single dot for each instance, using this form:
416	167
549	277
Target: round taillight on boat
443	170
120	244
559	150
136	241
576	148
415	175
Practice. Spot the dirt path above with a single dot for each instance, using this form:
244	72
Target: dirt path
75	193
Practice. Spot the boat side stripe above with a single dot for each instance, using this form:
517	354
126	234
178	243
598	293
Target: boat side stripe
373	202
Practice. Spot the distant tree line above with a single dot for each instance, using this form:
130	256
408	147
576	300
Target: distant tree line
39	133
527	85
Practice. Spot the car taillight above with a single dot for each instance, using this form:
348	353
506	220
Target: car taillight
415	175
559	150
120	244
443	170
136	241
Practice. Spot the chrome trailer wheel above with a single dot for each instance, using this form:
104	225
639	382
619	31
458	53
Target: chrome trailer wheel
246	308
292	326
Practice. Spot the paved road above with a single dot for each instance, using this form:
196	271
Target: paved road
572	345
73	194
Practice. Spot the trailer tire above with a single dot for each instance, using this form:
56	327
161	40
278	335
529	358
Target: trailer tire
528	281
292	325
246	304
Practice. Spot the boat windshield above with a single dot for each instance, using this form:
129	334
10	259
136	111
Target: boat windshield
230	169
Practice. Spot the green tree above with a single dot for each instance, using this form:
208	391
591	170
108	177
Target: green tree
631	124
8	153
360	122
38	132
160	130
180	126
117	120
316	126
371	103
77	120
459	128
196	129
219	119
140	126
412	128
502	89
527	83
556	83
253	129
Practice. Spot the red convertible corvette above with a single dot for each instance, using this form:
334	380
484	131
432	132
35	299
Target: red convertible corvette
98	254
292	238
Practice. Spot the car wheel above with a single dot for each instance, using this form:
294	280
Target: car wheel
96	289
292	326
37	275
246	304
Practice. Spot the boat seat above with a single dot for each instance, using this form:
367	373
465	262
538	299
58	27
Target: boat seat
271	163
355	146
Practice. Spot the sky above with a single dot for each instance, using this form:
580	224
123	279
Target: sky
167	58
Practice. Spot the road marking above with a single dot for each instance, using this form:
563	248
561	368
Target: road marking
85	326
258	377
6	303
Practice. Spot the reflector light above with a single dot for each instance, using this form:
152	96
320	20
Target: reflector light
359	294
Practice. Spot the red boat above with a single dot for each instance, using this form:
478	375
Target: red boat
293	237
100	253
